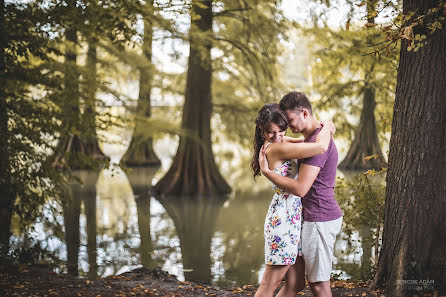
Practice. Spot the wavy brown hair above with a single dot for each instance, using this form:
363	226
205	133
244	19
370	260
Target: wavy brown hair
269	113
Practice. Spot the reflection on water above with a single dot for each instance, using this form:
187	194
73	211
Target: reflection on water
112	225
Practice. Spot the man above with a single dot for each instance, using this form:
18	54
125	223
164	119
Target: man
322	216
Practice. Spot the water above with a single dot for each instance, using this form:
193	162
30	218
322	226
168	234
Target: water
112	225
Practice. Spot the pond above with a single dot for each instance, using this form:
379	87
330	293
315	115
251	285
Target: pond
112	225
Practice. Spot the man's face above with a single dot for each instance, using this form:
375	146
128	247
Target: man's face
296	120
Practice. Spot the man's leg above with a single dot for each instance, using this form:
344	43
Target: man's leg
321	289
318	239
294	279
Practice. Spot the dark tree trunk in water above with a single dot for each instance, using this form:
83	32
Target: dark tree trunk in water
414	245
140	151
91	146
71	211
141	181
88	194
146	246
193	170
366	142
195	221
7	196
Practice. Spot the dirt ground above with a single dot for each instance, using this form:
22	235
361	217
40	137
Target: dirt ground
39	280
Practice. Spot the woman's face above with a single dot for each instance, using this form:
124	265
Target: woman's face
273	133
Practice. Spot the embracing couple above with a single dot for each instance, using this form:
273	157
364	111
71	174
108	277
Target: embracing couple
303	218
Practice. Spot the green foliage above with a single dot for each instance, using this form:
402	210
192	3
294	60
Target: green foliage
30	91
342	68
246	74
361	198
36	97
416	27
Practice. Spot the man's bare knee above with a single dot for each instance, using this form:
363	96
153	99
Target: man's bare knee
321	289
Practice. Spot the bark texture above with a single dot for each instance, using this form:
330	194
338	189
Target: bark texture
193	171
7	196
414	245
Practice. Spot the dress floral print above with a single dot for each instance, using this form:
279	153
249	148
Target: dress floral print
283	222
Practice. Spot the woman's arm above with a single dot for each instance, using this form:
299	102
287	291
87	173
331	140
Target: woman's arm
301	150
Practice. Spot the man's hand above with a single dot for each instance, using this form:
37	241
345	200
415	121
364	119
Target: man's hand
330	125
263	161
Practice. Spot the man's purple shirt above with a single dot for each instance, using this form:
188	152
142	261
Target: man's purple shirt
319	204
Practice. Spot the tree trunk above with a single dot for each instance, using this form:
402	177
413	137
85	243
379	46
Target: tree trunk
91	146
7	196
193	170
366	142
414	245
71	211
70	144
140	152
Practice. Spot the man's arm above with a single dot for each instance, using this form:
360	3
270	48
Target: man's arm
299	187
293	139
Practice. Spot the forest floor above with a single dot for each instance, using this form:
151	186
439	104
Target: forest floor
39	280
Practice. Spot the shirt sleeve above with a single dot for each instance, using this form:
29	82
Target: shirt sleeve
319	160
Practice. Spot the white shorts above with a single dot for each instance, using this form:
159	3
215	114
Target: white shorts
318	239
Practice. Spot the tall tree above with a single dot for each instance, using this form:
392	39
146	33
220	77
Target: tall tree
91	146
366	142
413	245
6	195
246	37
140	151
92	29
344	71
89	23
70	144
194	171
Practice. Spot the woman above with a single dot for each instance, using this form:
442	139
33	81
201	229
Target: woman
283	257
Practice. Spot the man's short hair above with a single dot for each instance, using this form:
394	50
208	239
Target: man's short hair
295	101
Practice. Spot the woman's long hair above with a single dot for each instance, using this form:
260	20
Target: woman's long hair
269	113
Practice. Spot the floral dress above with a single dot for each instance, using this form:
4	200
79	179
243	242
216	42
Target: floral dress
283	222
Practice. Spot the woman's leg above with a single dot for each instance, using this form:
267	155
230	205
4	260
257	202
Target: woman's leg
294	279
271	279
